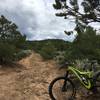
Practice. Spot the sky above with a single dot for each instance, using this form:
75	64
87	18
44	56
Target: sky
36	19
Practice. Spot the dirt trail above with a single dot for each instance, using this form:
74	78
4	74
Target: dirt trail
28	80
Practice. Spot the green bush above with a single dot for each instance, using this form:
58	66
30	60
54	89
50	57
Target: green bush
6	52
60	57
22	54
11	40
47	51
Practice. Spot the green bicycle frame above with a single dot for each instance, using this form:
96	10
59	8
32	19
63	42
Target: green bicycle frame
84	77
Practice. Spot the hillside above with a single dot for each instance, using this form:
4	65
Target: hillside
28	80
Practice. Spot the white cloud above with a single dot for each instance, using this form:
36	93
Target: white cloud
35	18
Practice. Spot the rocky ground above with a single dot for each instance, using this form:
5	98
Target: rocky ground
29	79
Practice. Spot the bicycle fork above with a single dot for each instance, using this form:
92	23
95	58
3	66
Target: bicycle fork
64	87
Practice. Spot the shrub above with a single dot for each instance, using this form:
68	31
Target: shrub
11	40
22	54
6	52
60	57
47	51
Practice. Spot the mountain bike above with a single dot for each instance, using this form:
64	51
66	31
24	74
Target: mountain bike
63	88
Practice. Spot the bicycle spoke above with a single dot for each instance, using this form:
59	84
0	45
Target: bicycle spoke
61	89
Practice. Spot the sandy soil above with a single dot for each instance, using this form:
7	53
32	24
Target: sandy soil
28	80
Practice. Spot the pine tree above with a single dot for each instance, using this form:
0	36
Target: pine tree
91	12
87	42
11	40
8	31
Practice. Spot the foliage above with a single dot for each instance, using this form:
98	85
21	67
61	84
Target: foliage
11	40
6	52
87	43
71	9
85	46
60	57
22	54
48	48
9	31
47	51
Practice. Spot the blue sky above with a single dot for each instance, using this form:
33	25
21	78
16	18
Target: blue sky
36	19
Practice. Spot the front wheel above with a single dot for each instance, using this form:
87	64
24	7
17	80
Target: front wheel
62	88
